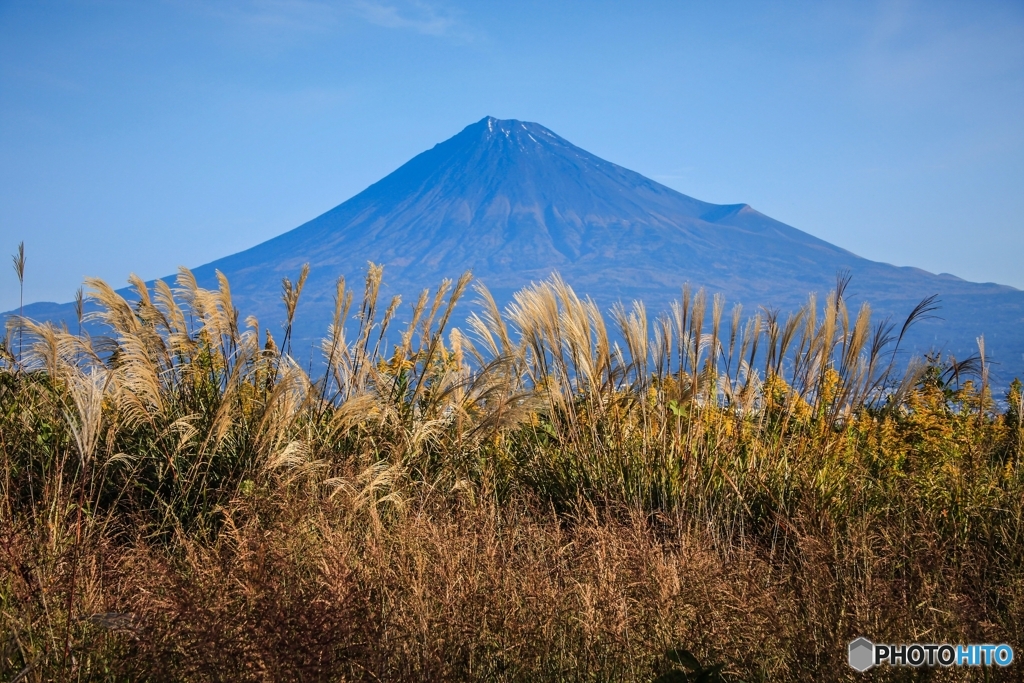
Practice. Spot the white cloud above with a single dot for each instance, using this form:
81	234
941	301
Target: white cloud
414	16
277	16
316	16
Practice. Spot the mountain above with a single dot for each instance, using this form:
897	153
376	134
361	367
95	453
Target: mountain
512	201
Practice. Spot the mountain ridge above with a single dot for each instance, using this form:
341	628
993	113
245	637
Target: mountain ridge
512	201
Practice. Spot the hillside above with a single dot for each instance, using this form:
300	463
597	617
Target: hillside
512	201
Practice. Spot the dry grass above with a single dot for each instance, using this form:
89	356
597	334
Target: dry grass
537	496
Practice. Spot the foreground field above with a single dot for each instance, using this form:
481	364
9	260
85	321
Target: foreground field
519	499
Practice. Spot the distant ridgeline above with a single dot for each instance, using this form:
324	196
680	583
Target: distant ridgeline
513	202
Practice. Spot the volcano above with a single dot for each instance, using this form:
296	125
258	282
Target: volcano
513	202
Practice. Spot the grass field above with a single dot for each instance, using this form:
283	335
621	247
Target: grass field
545	493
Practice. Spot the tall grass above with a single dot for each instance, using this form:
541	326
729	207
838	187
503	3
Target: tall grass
546	493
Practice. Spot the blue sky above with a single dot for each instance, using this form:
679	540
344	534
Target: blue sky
135	137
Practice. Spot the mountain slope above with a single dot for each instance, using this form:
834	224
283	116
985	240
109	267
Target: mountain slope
512	202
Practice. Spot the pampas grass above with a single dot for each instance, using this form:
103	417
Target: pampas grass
548	492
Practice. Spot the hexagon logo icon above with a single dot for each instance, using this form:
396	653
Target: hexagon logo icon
862	654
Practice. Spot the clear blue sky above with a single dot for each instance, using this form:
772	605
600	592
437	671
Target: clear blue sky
137	136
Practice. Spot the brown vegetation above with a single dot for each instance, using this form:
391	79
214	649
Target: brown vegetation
520	499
